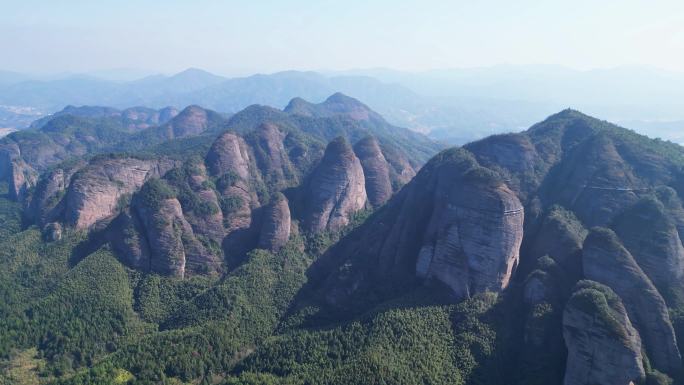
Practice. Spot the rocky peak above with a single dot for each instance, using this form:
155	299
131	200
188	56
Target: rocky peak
229	154
271	157
335	190
652	238
606	261
455	224
375	169
472	240
275	228
95	190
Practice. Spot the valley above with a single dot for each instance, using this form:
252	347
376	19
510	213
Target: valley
321	244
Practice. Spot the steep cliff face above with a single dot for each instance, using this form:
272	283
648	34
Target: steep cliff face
272	161
276	224
336	189
231	160
229	154
606	261
456	223
473	238
376	170
200	202
401	171
19	175
46	203
164	227
603	346
22	178
651	236
95	191
170	239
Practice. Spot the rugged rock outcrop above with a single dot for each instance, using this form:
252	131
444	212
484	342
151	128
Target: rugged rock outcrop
651	236
376	170
230	159
606	261
46	204
272	162
456	223
336	189
200	202
169	238
164	227
603	346
401	170
95	191
473	238
229	154
22	178
276	222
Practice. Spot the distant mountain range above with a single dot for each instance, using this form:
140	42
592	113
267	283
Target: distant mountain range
457	105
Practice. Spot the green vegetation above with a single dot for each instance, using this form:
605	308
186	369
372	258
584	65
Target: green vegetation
601	302
154	192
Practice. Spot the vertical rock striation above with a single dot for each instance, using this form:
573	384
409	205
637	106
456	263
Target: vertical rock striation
606	261
275	228
376	170
336	189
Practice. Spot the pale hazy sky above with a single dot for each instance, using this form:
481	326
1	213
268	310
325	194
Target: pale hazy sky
231	37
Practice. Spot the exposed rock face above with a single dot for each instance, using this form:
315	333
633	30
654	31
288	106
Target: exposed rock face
164	228
401	170
272	162
205	216
473	238
375	170
230	159
169	239
95	192
603	346
652	238
455	223
46	202
19	175
22	178
336	189
128	240
606	261
229	154
275	228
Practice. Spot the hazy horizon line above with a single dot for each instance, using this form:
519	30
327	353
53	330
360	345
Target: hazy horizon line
141	73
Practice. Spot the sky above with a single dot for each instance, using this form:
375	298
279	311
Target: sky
239	37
